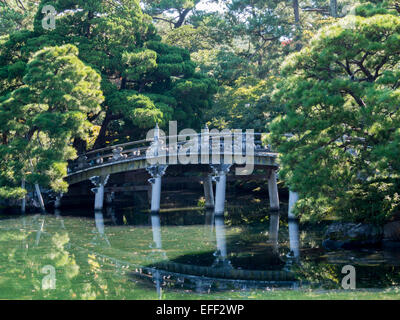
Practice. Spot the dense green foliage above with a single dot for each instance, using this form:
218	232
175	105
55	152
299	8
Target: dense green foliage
40	118
296	62
320	75
16	15
143	82
242	46
341	97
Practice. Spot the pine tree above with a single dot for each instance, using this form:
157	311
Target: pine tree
40	119
339	136
143	80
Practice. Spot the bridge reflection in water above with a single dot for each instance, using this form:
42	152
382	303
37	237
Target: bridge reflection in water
98	165
224	272
219	275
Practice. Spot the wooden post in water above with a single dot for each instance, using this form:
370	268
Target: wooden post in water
273	191
38	192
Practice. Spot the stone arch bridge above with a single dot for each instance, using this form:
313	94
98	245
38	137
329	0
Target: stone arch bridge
215	153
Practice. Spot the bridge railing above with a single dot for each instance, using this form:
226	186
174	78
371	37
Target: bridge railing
194	144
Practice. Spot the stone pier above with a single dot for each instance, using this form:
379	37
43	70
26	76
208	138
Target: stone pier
156	171
220	172
273	191
99	183
208	192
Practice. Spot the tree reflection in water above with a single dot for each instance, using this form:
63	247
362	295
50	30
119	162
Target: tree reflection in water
135	261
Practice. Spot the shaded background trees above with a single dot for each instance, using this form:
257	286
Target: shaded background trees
143	80
341	103
290	67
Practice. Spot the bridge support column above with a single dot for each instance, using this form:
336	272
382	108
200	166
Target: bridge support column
220	178
149	195
294	238
40	197
208	192
99	220
222	253
156	228
274	230
156	171
57	202
23	201
99	182
110	196
273	191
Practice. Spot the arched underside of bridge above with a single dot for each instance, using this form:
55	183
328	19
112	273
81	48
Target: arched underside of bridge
99	174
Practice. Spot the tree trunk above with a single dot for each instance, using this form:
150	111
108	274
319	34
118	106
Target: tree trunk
333	8
101	138
88	25
296	11
80	145
124	81
4	138
182	18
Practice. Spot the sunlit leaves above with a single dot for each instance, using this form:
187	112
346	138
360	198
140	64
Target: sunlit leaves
42	117
341	103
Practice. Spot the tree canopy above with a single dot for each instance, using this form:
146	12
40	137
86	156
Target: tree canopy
320	76
151	81
338	138
40	118
142	82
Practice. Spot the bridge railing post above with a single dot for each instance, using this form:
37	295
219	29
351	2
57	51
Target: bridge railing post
205	145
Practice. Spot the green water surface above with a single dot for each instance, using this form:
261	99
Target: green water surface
113	257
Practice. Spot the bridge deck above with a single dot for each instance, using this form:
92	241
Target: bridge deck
211	151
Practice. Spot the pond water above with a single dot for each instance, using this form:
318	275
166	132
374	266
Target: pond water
185	252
